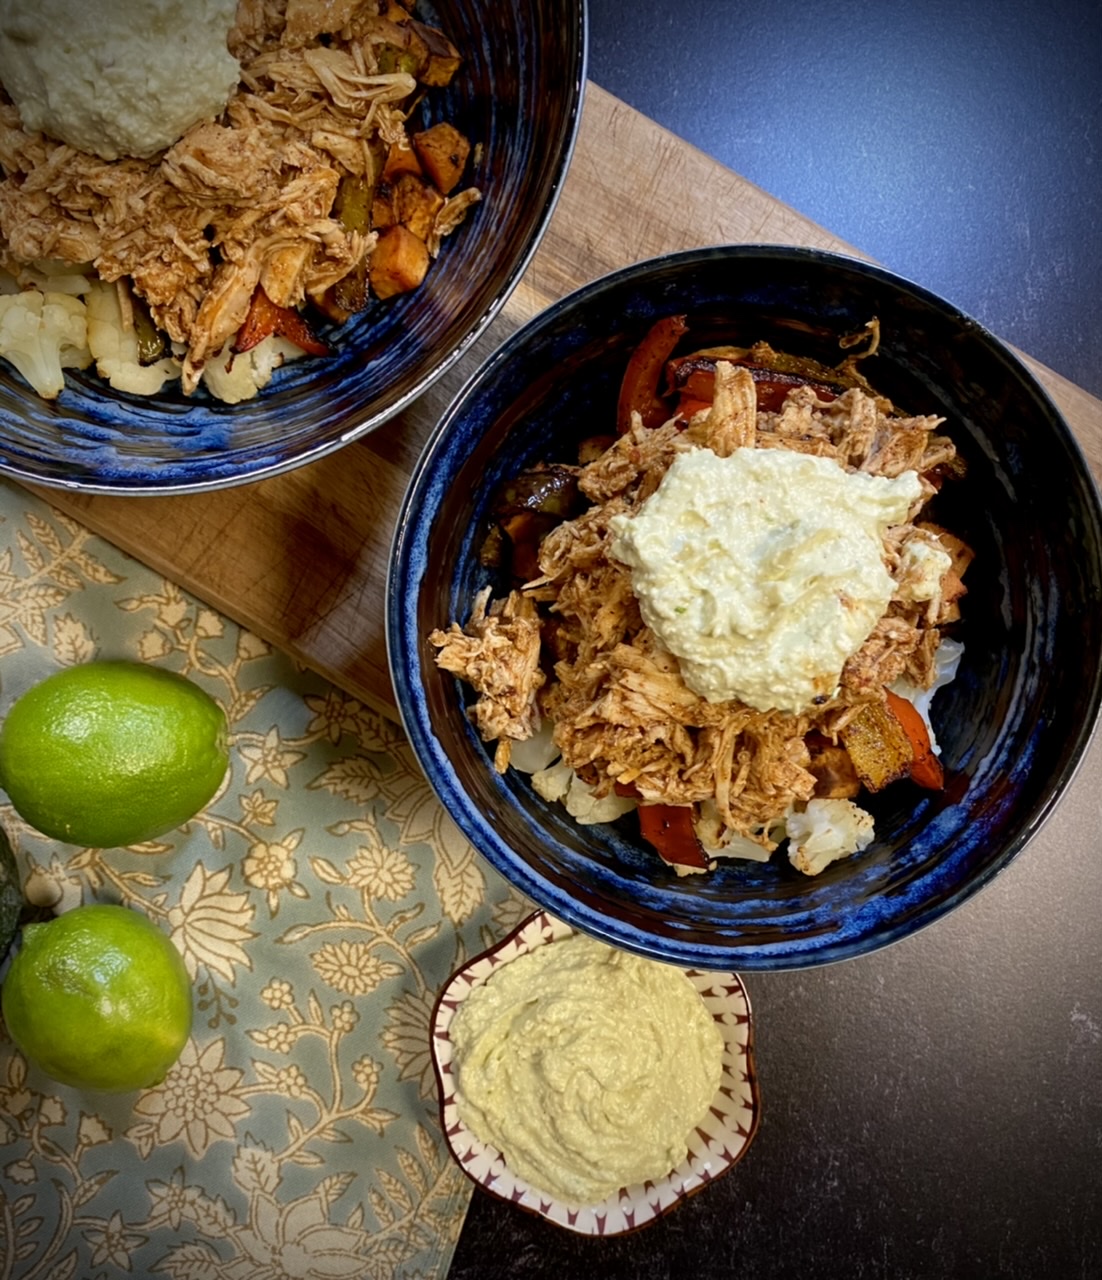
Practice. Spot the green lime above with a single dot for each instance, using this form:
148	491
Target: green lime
99	998
112	753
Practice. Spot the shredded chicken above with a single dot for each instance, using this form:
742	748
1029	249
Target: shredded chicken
243	201
499	656
623	716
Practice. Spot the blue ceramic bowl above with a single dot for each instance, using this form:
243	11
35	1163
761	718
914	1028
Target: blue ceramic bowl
1013	725
518	96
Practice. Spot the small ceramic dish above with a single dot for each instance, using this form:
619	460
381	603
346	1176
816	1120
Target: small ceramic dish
715	1145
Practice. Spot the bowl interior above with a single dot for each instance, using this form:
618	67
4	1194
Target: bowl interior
517	98
1012	726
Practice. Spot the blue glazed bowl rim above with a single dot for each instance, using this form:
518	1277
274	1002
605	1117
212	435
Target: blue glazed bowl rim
405	663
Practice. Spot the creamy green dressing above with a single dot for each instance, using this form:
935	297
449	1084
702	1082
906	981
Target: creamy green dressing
586	1067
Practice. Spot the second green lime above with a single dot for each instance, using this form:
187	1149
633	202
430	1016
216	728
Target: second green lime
100	998
112	753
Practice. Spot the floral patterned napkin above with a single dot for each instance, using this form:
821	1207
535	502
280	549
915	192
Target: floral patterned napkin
320	902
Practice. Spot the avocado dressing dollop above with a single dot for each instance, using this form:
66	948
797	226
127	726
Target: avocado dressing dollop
587	1067
763	572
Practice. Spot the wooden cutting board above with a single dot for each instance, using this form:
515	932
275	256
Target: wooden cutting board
301	559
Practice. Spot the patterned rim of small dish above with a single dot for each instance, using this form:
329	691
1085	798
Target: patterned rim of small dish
715	1146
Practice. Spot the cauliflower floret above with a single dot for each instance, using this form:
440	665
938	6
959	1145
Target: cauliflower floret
41	334
825	831
719	841
529	755
43	303
560	782
51	275
115	347
233	378
553	782
586	808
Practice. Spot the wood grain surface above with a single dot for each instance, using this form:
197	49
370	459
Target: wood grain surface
300	559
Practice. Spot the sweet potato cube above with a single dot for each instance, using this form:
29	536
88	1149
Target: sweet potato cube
400	160
443	57
399	262
443	152
382	212
878	746
416	204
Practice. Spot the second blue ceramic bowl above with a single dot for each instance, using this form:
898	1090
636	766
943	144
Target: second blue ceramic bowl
1013	725
518	99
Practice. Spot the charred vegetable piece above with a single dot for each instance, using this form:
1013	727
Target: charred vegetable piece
639	388
526	509
668	829
889	741
493	550
352	208
391	59
550	489
265	319
443	153
396	44
773	388
926	768
356	192
383	216
524	532
349	295
399	262
762	356
151	341
443	59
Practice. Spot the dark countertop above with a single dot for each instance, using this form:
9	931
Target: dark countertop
958	142
935	1109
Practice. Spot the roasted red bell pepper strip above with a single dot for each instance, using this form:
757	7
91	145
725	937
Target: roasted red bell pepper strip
639	388
265	319
688	407
695	380
668	828
926	768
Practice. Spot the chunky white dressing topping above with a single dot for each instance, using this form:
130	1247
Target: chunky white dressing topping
764	571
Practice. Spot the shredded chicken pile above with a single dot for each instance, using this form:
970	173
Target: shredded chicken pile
622	713
244	201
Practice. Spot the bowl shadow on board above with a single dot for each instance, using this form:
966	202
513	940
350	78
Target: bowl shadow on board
517	97
1012	726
